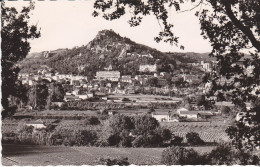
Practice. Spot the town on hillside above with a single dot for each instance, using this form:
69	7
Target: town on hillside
81	90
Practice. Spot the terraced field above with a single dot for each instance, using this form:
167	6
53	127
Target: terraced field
24	155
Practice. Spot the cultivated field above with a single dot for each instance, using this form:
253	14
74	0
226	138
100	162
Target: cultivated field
145	98
208	131
22	155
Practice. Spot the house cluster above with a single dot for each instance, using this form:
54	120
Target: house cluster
183	113
32	79
205	66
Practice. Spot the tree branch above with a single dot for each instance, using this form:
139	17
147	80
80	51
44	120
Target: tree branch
246	30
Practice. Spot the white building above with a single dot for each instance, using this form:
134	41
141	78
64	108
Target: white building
161	117
110	75
148	68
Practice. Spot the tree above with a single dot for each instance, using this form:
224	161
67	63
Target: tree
38	95
153	82
224	154
117	129
176	141
193	138
144	124
232	27
15	33
57	92
205	103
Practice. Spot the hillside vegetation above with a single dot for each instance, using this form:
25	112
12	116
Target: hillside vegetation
106	49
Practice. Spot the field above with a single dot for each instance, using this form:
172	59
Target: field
22	155
140	98
208	131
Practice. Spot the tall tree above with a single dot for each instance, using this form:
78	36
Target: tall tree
15	33
38	95
232	27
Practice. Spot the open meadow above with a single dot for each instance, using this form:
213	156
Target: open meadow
24	155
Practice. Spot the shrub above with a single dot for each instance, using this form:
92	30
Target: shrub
139	141
176	141
125	139
64	106
123	161
224	154
193	138
126	99
113	140
165	134
93	120
86	137
181	156
154	140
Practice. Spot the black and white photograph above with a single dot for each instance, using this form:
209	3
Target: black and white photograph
130	82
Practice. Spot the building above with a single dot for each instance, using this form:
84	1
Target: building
148	68
161	117
109	75
126	78
189	114
38	124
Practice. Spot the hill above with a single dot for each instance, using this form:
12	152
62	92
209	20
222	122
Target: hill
107	49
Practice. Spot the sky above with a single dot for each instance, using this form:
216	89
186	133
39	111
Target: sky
66	24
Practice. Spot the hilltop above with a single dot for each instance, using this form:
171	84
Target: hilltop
107	49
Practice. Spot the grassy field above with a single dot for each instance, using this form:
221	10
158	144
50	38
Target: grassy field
61	155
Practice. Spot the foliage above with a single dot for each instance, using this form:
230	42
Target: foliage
15	33
74	137
123	161
193	138
176	141
240	131
204	102
232	27
108	48
181	156
116	129
38	95
126	99
144	124
136	131
225	155
225	110
93	120
153	82
57	92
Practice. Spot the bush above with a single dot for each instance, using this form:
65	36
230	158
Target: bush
193	138
154	140
113	140
86	138
176	141
224	154
139	141
126	99
125	139
182	156
115	161
93	120
165	134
